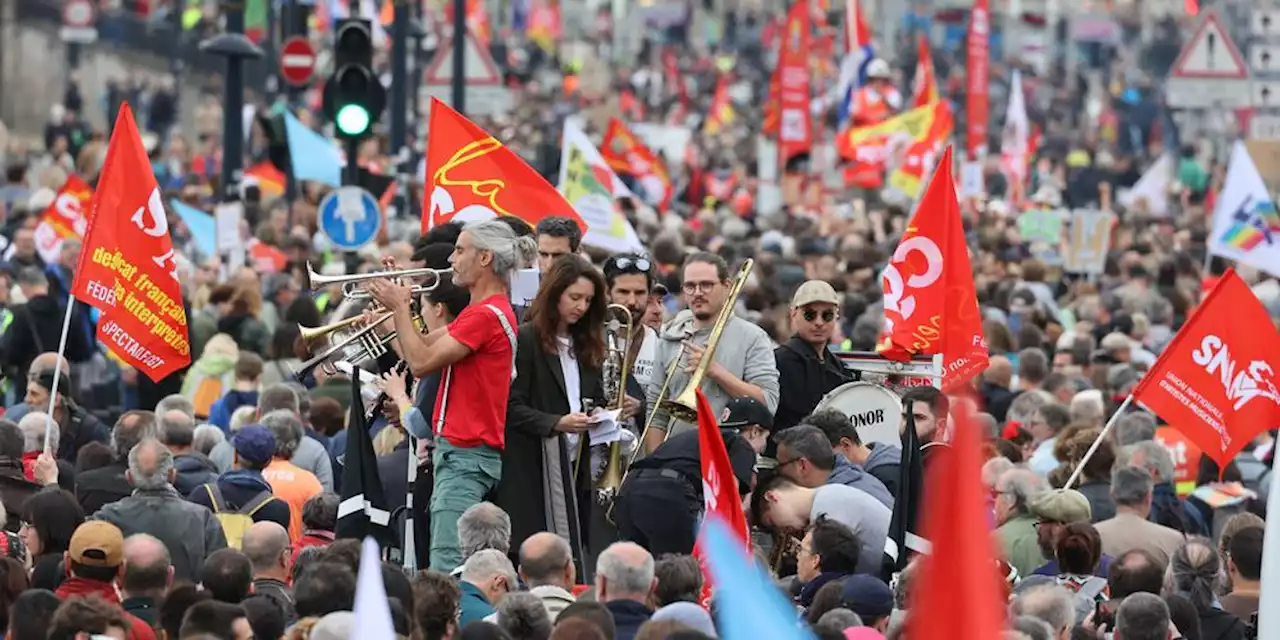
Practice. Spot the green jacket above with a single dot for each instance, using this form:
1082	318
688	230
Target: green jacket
474	605
1018	541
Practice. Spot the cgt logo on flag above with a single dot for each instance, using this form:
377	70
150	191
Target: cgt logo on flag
1255	221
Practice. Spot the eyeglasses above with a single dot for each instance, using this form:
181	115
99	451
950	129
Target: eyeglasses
782	465
691	288
827	316
624	263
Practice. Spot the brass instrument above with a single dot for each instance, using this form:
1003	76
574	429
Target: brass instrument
352	284
684	407
368	344
785	546
614	373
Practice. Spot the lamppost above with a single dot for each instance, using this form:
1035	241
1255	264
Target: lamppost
236	48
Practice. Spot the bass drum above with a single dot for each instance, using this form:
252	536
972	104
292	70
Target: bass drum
874	410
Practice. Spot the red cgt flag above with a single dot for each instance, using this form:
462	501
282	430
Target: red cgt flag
474	177
1216	382
719	488
930	304
958	585
127	267
64	218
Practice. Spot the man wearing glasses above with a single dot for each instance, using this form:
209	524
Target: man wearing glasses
743	365
805	362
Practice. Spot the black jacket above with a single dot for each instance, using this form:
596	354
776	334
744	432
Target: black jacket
238	488
37	328
628	617
97	488
682	453
194	469
537	402
81	429
14	491
804	379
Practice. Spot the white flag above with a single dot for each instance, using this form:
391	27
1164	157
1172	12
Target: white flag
1153	187
372	611
1246	225
588	183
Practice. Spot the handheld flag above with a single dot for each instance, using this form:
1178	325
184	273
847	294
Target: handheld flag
64	218
363	510
1246	224
1013	145
858	54
795	121
1216	382
719	490
127	268
591	186
628	156
963	550
471	176
372	611
311	155
926	92
930	303
748	604
977	79
902	526
721	113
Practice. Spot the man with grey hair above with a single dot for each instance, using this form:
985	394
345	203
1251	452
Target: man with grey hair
1144	616
266	544
1015	491
33	432
1166	507
176	402
483	526
178	432
487	576
288	481
624	581
147	575
1087	407
522	615
476	352
97	488
1050	603
190	531
546	565
1134	427
1131	490
307	453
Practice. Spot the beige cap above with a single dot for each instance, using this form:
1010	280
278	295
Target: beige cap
1061	505
814	291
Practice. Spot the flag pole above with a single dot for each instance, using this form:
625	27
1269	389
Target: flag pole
57	369
410	560
1268	618
1098	441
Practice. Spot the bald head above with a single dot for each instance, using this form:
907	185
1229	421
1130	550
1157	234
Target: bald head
266	544
150	465
177	430
148	570
999	371
545	558
624	571
47	362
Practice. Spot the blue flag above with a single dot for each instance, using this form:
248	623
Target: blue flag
747	603
201	224
312	155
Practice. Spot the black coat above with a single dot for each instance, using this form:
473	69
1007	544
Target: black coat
36	329
537	402
804	379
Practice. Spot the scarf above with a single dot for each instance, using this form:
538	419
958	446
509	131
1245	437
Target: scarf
560	495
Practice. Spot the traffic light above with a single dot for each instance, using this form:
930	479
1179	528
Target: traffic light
354	98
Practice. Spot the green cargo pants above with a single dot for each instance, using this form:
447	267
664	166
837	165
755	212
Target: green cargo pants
463	477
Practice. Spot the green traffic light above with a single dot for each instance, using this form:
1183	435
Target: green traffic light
352	119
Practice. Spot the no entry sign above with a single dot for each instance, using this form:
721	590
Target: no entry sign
297	61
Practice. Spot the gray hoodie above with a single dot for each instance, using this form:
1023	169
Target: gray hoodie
744	349
884	463
852	475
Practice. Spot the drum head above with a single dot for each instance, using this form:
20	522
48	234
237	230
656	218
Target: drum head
876	412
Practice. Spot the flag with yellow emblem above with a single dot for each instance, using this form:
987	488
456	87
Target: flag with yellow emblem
903	149
593	189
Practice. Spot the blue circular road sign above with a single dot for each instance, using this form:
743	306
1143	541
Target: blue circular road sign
351	217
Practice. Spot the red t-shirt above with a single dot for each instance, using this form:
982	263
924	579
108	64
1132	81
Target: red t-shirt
471	406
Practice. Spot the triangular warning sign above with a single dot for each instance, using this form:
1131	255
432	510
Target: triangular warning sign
1210	53
481	70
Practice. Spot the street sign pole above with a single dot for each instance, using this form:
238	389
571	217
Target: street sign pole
400	99
460	56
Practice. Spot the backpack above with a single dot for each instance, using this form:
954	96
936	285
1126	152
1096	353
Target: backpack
235	522
207	392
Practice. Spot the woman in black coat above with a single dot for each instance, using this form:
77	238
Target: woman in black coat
546	480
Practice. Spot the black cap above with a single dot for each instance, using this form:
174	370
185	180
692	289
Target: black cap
744	412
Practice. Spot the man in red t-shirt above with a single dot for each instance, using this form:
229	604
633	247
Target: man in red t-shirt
476	357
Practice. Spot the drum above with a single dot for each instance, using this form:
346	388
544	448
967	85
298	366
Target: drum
875	411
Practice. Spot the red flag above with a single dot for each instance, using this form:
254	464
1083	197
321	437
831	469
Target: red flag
926	80
955	521
64	218
625	154
1216	382
930	303
719	488
127	267
474	177
721	113
795	124
978	78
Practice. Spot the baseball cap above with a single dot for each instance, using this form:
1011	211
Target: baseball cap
741	412
814	291
866	596
1061	505
254	443
97	544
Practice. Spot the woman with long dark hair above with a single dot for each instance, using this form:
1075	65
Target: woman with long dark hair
49	518
546	469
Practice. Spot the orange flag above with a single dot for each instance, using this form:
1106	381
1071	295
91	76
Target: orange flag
127	267
474	177
721	114
625	154
64	218
926	80
930	303
963	550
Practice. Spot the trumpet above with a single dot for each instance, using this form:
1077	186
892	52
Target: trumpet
352	284
372	345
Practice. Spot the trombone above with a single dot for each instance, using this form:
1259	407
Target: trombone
352	284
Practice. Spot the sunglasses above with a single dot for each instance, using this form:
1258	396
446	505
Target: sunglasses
625	263
827	316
